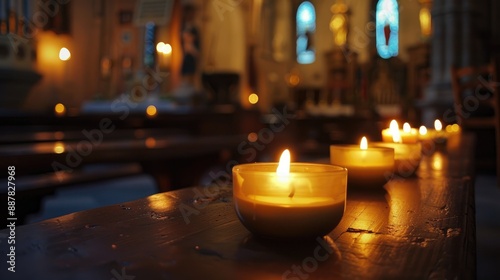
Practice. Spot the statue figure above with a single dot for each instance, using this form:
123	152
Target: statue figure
190	45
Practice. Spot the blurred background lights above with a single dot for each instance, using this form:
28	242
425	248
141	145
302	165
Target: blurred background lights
59	109
64	54
253	98
151	111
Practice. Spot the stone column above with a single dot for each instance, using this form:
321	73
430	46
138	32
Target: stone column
446	50
458	40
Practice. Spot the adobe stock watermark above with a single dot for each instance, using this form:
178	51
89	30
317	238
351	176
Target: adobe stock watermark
95	137
121	276
223	6
471	103
309	265
40	18
249	149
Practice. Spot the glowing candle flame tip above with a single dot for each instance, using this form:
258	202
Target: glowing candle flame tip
406	127
394	125
422	130
438	125
394	129
364	143
284	164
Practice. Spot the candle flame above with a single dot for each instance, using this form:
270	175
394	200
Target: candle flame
437	125
422	130
393	126
163	48
394	130
396	137
160	46
406	127
364	143
283	169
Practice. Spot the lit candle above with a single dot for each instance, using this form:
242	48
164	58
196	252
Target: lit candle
283	200
454	136
407	134
64	56
440	136
164	56
437	134
406	157
366	167
423	133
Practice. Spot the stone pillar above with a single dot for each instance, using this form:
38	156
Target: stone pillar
446	49
458	40
476	39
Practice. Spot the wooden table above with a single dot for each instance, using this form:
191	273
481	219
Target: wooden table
417	228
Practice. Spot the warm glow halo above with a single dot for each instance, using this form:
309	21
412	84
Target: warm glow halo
396	137
438	125
253	98
59	108
59	147
364	143
406	127
422	130
393	126
163	48
151	110
64	54
167	49
394	130
283	169
160	47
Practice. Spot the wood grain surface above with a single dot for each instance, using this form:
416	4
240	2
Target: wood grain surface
421	227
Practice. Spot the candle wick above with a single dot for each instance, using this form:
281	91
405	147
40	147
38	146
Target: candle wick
292	193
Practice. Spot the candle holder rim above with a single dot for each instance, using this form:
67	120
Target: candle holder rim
413	129
385	144
332	168
371	146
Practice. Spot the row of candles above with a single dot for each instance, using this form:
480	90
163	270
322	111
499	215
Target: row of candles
300	200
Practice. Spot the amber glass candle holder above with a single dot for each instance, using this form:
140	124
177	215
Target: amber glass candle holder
366	169
406	157
307	203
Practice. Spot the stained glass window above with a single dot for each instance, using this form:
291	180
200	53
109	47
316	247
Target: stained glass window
387	26
149	45
306	26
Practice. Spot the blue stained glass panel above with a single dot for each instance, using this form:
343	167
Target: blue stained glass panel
306	26
387	27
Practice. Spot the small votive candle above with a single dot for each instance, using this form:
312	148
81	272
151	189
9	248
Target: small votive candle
367	167
407	134
424	134
289	201
406	157
435	136
453	136
439	135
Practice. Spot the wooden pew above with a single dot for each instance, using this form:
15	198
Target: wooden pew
30	190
